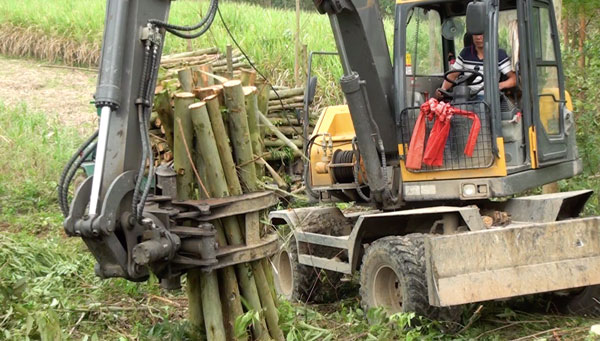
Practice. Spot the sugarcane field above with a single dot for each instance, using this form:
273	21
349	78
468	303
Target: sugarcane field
299	170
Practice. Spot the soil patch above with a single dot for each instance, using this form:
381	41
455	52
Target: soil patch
61	93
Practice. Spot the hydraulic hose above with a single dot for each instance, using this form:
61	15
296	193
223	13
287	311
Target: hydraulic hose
62	189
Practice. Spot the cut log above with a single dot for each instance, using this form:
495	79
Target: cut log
291	130
297	143
209	155
186	79
222	141
223	61
164	109
271	156
188	61
279	121
183	164
202	75
276	94
211	307
238	65
195	314
295	99
280	182
266	298
239	132
209	50
248	77
219	188
281	136
252	109
290	106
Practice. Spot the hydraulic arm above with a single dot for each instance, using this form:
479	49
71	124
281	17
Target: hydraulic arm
367	84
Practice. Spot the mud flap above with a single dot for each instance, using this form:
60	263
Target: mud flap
519	260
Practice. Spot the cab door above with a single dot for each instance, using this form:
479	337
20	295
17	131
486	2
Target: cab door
546	85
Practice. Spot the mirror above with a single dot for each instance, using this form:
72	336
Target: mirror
476	17
452	29
309	95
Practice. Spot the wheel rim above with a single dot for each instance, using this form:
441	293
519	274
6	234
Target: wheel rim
284	276
387	290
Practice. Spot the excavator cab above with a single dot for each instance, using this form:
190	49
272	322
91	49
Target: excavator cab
526	135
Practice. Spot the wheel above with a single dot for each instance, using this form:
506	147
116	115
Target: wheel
392	276
585	302
302	283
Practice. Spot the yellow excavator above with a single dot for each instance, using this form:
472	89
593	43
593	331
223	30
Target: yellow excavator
438	176
443	175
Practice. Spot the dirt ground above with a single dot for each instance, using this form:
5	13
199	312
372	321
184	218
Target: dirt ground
59	92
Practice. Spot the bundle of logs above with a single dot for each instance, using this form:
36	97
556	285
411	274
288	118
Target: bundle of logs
214	139
279	137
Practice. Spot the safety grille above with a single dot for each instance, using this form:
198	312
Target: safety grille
460	127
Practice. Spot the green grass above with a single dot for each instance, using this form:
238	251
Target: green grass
267	35
48	289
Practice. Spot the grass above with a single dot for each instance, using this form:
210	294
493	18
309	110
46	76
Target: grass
49	290
71	27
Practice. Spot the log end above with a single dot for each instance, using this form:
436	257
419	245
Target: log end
185	95
197	105
232	83
248	90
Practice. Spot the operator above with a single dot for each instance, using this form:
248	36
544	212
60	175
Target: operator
471	58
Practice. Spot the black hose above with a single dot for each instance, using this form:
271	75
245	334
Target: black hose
211	18
146	191
155	65
140	176
206	20
61	183
88	151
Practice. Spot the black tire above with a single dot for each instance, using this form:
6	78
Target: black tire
586	302
301	283
393	276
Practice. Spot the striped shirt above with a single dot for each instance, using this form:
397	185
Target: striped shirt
468	60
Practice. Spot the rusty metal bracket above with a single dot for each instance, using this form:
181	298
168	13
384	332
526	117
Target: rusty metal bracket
232	255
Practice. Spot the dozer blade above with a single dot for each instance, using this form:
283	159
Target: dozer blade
517	260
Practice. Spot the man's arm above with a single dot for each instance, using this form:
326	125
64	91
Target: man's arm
511	82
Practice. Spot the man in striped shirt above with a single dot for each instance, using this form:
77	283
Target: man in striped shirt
471	58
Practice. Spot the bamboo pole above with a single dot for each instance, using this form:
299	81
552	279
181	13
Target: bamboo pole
219	188
240	132
162	104
251	100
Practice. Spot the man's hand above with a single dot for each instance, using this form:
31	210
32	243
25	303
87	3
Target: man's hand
438	94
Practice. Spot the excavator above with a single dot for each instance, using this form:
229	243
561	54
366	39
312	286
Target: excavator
439	220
